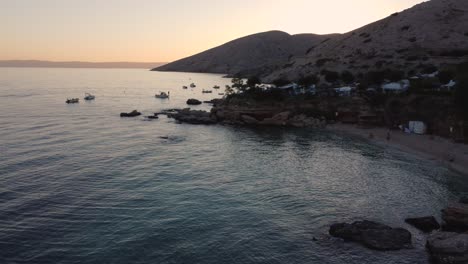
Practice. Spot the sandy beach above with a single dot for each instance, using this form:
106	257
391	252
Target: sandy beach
442	150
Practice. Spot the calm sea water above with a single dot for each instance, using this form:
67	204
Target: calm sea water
79	184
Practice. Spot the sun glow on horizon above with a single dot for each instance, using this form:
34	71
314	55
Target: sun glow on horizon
163	31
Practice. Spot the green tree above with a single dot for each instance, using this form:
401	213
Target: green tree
445	77
308	80
331	76
238	85
281	81
253	81
375	77
461	91
229	90
461	98
347	77
394	75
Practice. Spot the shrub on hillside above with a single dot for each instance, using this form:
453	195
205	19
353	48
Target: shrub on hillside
321	62
331	76
461	91
253	81
445	76
281	81
428	69
308	80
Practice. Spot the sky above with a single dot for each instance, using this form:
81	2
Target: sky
166	30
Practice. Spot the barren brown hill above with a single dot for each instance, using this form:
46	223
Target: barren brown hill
431	33
247	55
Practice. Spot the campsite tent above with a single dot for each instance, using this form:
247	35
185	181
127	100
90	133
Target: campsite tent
417	127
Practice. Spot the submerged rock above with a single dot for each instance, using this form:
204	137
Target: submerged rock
456	217
131	114
193	102
448	248
425	224
373	235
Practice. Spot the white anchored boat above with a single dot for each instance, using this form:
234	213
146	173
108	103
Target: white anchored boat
162	95
89	97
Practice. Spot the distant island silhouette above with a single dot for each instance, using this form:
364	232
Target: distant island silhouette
78	64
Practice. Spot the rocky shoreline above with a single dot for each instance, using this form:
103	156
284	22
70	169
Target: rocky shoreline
256	115
446	243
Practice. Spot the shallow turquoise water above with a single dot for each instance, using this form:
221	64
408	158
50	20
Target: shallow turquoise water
79	184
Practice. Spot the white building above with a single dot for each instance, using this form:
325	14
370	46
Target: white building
449	86
344	91
396	87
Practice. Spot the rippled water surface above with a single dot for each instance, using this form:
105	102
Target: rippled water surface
79	184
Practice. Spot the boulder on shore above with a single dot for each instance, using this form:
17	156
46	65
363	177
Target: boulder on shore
131	114
448	248
373	235
193	102
426	224
249	120
456	217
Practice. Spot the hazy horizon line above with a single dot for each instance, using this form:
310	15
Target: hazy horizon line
77	64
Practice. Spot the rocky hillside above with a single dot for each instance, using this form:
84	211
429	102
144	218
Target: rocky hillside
431	33
248	55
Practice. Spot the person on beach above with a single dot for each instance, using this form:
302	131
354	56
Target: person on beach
388	135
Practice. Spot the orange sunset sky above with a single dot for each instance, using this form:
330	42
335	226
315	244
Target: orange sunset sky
163	31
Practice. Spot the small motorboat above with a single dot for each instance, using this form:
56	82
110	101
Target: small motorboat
184	87
192	85
207	91
216	87
89	97
220	93
72	101
162	95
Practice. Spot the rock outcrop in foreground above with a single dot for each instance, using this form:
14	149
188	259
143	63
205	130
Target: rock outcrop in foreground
373	235
448	248
426	224
456	217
